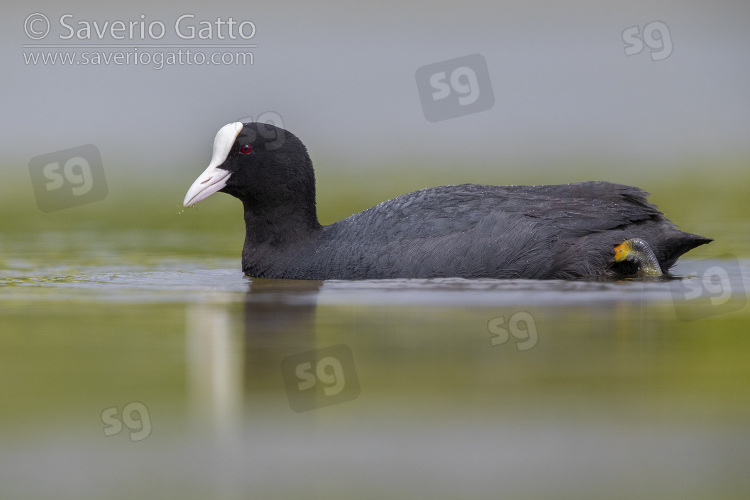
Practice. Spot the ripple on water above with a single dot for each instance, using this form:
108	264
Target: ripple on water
171	280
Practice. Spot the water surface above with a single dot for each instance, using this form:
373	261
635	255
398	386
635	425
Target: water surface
131	369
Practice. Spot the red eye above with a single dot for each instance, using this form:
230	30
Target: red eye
246	149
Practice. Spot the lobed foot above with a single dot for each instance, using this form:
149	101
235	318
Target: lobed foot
638	252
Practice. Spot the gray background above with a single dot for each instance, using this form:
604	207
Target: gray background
342	76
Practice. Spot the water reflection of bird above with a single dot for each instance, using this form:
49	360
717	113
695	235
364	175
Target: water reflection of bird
566	231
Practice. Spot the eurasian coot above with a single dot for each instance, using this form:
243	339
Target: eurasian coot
586	229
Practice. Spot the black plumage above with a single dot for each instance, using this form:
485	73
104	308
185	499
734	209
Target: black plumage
470	231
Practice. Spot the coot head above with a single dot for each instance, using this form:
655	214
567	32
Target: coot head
265	166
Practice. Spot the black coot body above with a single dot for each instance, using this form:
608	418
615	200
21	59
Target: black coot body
469	231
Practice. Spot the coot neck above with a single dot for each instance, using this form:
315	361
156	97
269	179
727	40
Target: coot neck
280	224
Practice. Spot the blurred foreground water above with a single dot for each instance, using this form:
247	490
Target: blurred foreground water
138	374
